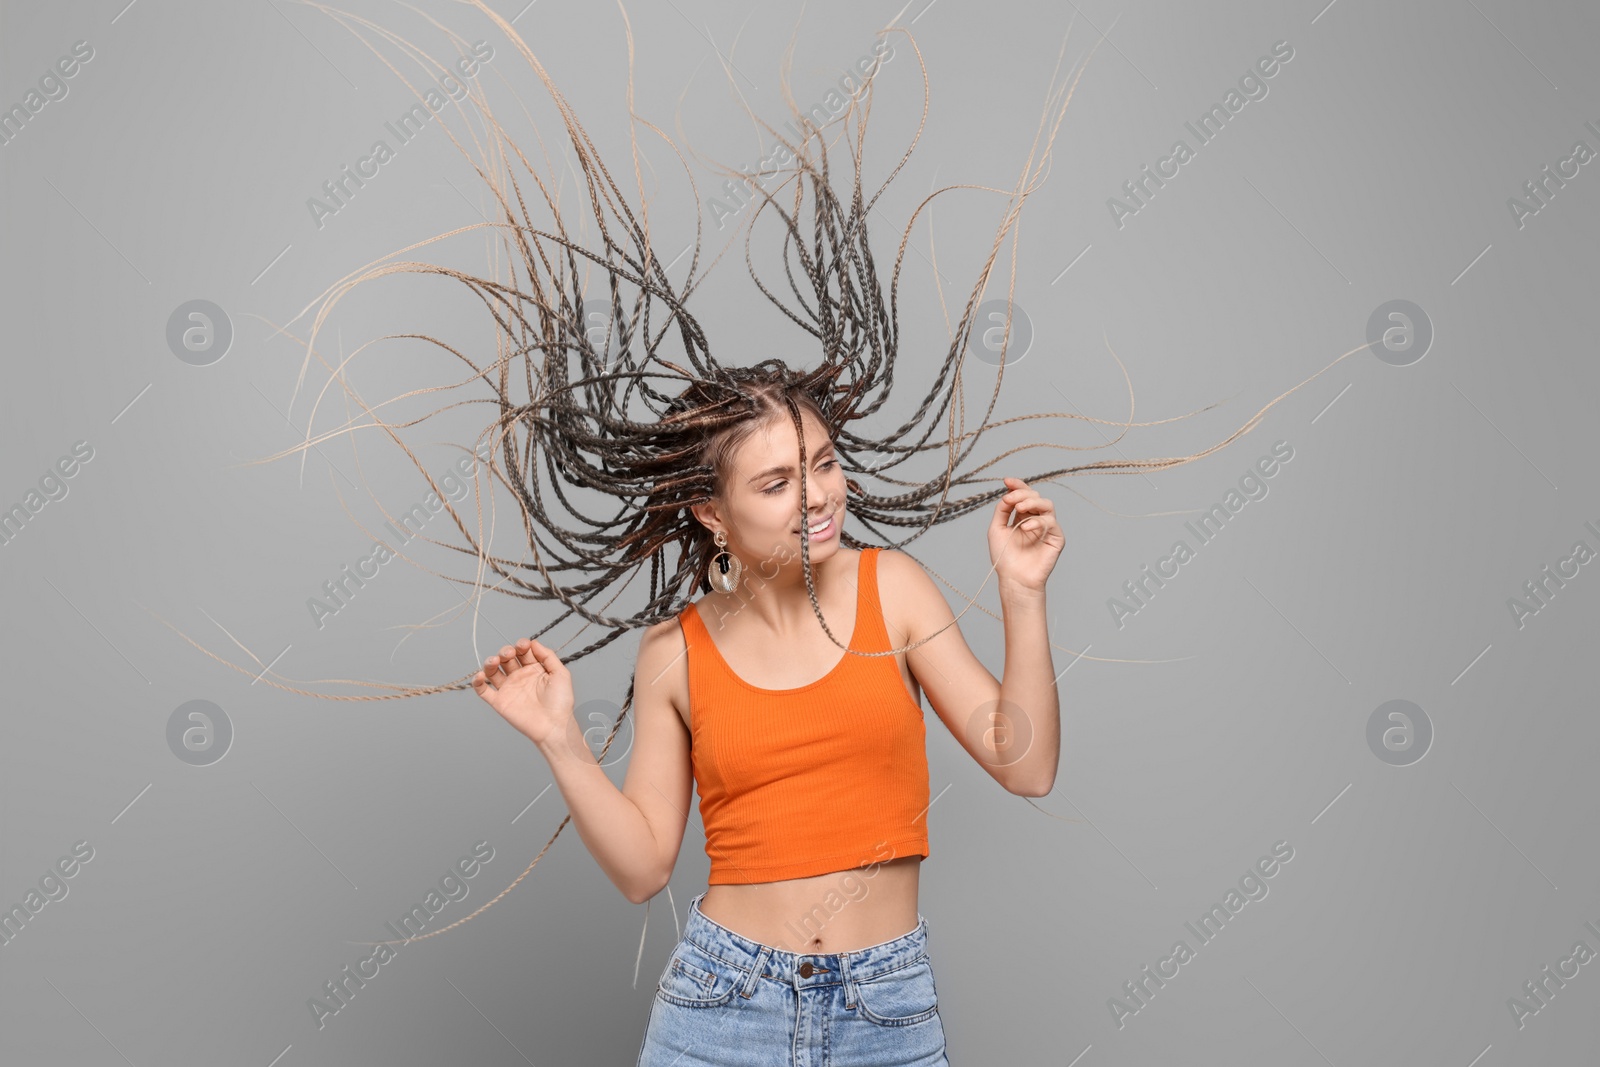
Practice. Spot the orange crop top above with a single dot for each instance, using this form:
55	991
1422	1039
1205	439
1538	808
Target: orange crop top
825	777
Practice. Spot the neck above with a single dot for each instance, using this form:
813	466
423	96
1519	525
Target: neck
781	603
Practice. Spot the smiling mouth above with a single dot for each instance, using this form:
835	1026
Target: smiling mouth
821	527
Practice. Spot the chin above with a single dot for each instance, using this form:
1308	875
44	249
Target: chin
819	548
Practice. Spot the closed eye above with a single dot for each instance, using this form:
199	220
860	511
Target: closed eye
778	487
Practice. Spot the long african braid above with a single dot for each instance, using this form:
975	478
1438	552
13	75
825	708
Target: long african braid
655	433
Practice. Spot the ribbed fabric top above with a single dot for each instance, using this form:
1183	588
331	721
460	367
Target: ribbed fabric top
823	777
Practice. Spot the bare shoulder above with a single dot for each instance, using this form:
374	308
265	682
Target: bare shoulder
909	596
662	666
952	678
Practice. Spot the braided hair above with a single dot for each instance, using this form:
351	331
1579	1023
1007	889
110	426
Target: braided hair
648	417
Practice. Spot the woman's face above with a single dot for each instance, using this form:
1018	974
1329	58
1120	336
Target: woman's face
760	504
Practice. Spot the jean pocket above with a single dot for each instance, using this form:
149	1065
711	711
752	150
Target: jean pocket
694	979
899	998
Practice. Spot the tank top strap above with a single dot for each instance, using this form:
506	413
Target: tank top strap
871	628
689	619
695	635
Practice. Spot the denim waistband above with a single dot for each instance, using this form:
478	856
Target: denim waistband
825	968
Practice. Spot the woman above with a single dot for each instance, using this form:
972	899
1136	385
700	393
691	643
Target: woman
811	766
798	718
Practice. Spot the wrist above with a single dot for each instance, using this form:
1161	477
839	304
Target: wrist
1019	594
565	745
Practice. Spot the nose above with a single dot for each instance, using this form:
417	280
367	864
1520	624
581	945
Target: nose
819	500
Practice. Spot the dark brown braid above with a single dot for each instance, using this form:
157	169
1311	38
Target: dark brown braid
652	426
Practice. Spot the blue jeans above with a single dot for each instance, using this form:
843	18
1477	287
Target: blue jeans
727	1001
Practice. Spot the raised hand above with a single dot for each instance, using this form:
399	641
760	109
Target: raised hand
1025	552
529	687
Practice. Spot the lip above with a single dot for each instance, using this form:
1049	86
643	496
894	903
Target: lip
828	531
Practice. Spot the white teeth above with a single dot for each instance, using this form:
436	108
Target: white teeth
819	527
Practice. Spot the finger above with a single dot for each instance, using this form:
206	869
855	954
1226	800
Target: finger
1003	508
492	671
510	662
525	653
480	685
547	658
1036	515
1026	509
1041	509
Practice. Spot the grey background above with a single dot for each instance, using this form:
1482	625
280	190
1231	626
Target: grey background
1230	713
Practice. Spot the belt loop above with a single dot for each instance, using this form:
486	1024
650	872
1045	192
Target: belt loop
756	970
844	978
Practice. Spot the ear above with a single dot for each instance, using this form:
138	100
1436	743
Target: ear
708	512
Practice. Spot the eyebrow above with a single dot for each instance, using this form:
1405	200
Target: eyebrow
787	468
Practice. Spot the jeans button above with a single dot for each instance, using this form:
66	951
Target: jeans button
805	969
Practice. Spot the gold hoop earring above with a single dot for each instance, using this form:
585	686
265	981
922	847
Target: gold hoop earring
725	567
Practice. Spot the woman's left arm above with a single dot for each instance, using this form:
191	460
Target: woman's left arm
1024	553
1027	716
1012	728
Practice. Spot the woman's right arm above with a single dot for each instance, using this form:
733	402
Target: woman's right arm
633	833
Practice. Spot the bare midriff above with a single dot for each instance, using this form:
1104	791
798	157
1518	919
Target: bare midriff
836	912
